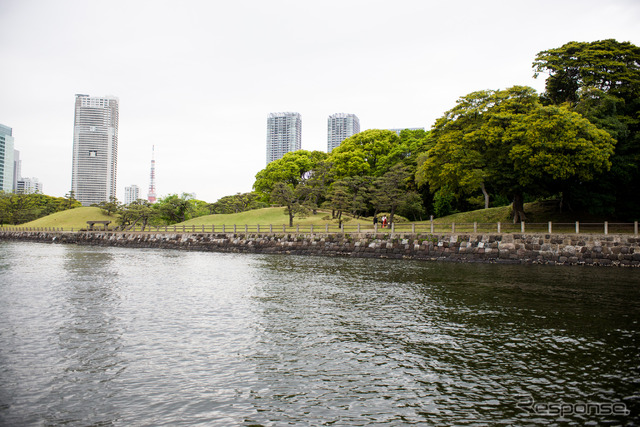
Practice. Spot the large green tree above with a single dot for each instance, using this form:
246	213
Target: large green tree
173	209
508	140
292	169
371	152
601	81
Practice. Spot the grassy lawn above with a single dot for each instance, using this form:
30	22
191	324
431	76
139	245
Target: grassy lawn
266	216
73	218
538	214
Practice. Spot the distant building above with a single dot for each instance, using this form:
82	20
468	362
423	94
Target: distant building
341	126
29	186
284	134
95	149
6	159
17	169
401	129
131	194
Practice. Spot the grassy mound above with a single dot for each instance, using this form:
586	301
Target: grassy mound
266	216
536	212
73	218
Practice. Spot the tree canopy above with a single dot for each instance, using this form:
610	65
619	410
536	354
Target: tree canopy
601	81
508	141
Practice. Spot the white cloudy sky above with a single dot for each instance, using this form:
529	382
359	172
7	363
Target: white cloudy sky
198	78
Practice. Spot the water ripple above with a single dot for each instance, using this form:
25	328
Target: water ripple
111	336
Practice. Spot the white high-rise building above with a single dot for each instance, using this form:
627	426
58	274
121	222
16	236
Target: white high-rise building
6	159
95	149
28	186
341	126
131	194
284	134
17	169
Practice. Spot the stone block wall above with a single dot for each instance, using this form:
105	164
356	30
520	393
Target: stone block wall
563	249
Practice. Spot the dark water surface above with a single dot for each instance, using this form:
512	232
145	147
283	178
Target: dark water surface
132	337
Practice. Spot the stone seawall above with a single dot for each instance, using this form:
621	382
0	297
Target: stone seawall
563	249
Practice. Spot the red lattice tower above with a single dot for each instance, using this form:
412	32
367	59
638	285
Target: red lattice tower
152	181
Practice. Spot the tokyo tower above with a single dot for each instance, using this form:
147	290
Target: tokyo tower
151	196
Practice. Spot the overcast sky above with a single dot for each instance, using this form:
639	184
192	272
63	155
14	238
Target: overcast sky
197	79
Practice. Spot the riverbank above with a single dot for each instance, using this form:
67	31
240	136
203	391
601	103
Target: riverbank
515	248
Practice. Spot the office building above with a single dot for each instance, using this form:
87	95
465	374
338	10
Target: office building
95	149
284	134
131	194
6	159
341	126
28	186
17	169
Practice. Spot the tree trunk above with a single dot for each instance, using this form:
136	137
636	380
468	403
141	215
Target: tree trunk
518	208
486	196
290	209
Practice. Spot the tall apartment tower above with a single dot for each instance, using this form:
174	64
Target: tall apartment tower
131	194
95	149
17	169
341	126
284	134
6	159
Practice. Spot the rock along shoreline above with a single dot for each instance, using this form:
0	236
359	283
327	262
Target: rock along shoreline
508	248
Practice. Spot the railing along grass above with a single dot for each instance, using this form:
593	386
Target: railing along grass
425	227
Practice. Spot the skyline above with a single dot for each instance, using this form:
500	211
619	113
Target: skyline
198	81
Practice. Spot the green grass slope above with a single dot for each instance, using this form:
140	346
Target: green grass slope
73	218
265	216
536	212
499	214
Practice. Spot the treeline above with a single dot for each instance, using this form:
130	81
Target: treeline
174	208
577	142
20	208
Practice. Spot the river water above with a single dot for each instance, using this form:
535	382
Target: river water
135	337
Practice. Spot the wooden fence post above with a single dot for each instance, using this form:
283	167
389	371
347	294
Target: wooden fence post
635	227
311	228
550	227
431	220
606	227
413	228
453	227
223	228
498	227
475	227
577	227
522	226
270	228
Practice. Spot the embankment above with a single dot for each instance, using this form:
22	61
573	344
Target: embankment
563	249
